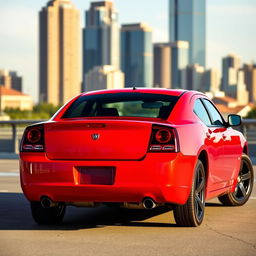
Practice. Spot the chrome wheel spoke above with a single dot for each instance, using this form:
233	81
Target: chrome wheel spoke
242	188
200	187
245	176
199	203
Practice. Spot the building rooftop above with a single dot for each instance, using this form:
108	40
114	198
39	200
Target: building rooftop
8	91
136	26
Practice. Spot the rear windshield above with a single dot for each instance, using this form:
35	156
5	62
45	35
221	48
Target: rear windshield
122	105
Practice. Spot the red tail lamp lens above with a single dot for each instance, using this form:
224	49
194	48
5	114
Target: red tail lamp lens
34	135
163	136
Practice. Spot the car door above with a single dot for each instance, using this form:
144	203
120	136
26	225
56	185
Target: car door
214	143
227	155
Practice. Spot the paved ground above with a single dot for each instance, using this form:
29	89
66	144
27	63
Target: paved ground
107	231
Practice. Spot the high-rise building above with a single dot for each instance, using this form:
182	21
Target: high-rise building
250	80
195	77
101	37
10	80
59	44
104	77
137	55
179	62
242	95
230	67
162	65
211	81
187	22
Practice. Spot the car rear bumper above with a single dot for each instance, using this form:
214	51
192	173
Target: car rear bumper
165	177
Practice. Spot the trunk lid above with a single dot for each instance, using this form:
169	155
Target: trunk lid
97	140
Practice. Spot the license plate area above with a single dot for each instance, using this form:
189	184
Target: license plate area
96	175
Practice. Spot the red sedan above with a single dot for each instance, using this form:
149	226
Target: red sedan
135	148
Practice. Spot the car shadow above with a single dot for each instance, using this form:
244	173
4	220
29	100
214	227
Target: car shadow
15	215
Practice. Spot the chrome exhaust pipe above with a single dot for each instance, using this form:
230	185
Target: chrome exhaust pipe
149	203
46	202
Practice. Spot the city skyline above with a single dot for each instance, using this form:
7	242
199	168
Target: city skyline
19	51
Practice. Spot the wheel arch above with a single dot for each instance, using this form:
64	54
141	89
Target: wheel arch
203	157
245	149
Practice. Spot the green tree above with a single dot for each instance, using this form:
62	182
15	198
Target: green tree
252	113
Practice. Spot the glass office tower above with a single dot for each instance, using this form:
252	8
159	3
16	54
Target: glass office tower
187	22
137	55
101	37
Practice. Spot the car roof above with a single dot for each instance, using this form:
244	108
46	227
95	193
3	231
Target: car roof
173	92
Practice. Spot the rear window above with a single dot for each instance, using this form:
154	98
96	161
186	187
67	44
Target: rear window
122	105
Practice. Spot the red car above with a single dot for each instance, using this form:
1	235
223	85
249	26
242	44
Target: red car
135	148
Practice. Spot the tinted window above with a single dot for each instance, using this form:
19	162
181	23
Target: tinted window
122	104
201	112
215	115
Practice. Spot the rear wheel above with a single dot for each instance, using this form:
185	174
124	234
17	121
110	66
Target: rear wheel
191	214
244	185
47	216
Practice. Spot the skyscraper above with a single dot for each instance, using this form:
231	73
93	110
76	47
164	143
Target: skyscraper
101	37
11	80
195	77
187	22
162	65
233	79
230	66
211	81
250	80
179	62
60	68
137	55
104	77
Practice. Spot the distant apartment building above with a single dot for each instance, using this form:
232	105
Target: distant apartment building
230	66
162	65
101	37
179	63
233	79
195	77
104	77
250	80
59	44
187	22
211	81
10	98
11	80
137	55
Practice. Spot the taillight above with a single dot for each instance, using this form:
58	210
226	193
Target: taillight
163	139
33	139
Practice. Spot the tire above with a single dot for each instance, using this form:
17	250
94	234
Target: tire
47	216
191	214
244	185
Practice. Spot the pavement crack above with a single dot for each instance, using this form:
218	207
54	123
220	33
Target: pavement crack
231	237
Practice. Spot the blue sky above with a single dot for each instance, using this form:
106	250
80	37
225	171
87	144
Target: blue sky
231	26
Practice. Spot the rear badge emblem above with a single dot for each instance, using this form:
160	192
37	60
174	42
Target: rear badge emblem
95	136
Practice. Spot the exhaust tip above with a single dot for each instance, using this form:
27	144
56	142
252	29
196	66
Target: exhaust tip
149	203
46	202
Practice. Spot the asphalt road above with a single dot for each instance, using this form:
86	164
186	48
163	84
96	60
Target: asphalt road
108	231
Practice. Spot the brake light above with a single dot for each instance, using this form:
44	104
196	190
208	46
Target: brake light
163	139
33	139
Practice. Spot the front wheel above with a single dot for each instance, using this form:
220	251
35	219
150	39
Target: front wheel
47	216
244	185
191	214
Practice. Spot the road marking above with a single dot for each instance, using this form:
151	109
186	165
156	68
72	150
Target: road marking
9	174
3	191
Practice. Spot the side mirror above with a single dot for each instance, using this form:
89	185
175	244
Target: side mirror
234	120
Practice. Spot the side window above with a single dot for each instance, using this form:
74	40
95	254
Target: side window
201	112
215	115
